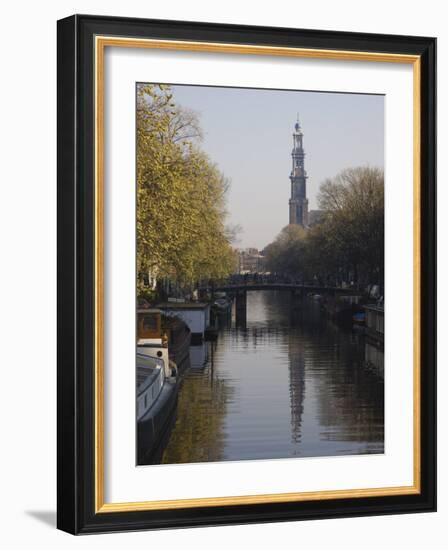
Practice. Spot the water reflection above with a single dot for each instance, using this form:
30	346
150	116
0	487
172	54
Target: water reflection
285	383
199	434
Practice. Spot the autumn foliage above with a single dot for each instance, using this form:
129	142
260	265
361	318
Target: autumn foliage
181	231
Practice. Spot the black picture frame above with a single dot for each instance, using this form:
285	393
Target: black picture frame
76	285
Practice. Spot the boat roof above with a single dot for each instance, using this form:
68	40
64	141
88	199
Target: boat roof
183	305
150	342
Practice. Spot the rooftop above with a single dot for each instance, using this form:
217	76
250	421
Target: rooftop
183	305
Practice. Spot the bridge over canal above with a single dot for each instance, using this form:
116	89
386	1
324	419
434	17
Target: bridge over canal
298	291
295	288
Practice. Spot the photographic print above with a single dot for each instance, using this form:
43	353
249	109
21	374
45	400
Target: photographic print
260	274
227	242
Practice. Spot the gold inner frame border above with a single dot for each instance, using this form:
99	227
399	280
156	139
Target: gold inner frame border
101	42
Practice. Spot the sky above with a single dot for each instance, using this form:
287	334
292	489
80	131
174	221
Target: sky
248	134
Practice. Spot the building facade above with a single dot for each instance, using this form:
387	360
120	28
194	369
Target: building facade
298	203
250	261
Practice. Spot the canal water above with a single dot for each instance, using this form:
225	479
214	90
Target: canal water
288	383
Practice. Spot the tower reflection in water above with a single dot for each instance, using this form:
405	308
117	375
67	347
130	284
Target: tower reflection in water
282	382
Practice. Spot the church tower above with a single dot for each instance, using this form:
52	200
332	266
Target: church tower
298	203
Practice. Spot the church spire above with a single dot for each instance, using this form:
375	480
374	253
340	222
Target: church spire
298	203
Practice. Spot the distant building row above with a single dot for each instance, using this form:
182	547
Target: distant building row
251	260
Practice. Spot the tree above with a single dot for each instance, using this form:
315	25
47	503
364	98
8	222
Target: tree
353	202
181	232
286	254
348	245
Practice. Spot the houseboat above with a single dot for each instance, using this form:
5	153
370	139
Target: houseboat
153	323
156	399
156	380
374	316
195	315
222	303
374	345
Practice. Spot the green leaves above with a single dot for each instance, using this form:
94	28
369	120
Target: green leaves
181	230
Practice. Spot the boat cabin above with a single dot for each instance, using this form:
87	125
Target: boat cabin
149	323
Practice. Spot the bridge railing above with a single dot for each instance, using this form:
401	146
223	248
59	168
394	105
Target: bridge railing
251	279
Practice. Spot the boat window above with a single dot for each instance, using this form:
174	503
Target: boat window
149	322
